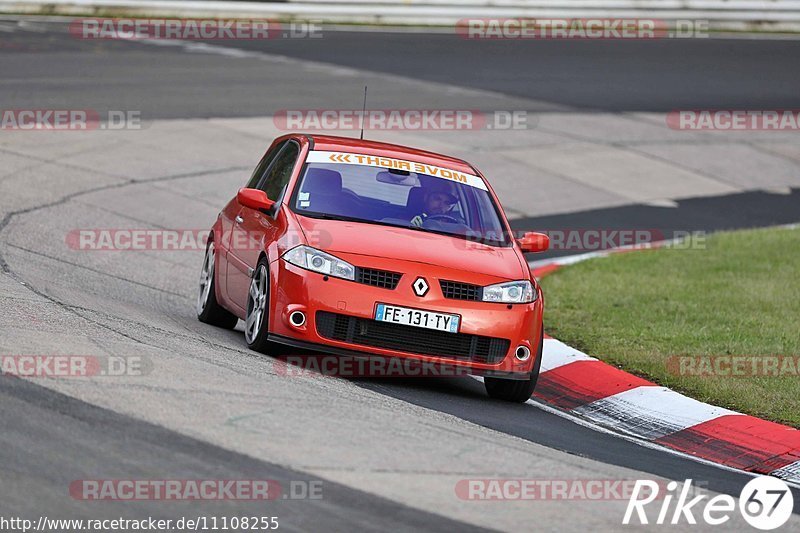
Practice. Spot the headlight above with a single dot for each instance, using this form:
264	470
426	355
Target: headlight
512	292
319	261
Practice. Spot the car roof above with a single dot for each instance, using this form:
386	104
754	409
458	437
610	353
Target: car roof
335	143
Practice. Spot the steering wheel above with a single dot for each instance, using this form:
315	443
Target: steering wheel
445	218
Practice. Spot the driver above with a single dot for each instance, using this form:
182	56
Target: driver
439	200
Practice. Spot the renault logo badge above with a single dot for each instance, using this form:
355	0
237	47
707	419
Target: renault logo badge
420	287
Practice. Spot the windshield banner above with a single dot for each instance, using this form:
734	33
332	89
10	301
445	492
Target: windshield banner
319	156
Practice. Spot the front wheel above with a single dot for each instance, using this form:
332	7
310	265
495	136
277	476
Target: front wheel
208	309
256	324
512	390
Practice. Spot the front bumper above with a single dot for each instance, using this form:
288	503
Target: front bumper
297	289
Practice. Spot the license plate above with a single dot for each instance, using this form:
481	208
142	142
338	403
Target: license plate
417	318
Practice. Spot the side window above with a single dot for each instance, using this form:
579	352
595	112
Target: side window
489	222
279	173
263	165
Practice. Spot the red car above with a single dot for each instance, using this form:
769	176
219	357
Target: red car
363	248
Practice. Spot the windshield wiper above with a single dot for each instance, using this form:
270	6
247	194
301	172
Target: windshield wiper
327	216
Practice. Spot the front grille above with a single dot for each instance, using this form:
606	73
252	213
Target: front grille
366	332
378	278
460	291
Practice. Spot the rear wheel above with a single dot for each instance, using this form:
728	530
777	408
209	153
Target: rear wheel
512	390
208	309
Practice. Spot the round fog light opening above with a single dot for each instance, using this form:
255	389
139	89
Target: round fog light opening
297	318
522	353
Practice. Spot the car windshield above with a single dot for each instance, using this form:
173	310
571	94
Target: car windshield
399	197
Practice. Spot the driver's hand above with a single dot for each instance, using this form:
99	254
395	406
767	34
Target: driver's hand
417	221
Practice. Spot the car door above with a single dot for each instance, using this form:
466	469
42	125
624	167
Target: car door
252	229
227	218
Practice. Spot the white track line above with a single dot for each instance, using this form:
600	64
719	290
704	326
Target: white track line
644	443
650	412
556	354
789	473
544	406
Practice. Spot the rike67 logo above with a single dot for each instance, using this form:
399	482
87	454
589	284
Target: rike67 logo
766	503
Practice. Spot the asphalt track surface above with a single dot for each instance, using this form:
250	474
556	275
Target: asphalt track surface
658	75
389	451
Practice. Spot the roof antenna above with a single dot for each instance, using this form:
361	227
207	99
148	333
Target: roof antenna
363	112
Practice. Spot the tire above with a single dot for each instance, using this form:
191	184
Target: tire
511	390
256	325
208	309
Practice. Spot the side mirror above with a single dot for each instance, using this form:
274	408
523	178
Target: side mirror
532	242
255	199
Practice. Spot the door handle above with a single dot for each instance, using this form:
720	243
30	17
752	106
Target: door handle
239	219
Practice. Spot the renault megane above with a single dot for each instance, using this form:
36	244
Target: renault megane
364	248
